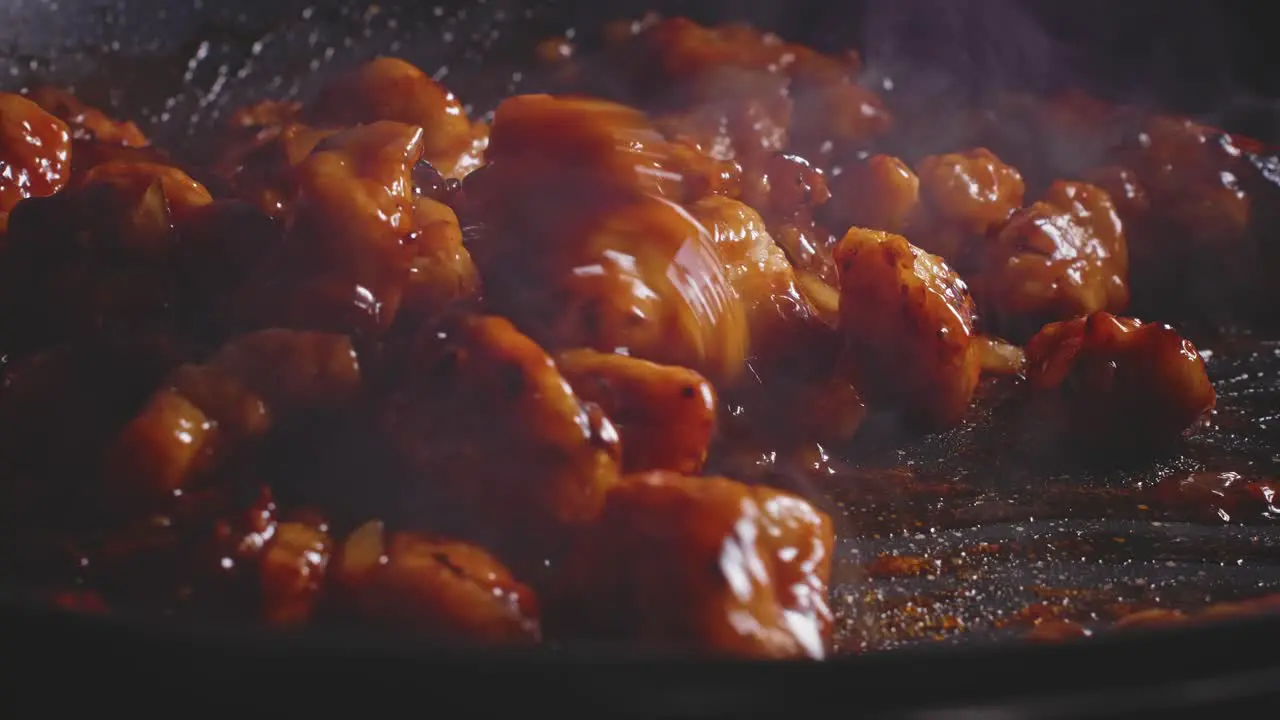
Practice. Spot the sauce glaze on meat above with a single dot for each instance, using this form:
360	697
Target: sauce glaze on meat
531	380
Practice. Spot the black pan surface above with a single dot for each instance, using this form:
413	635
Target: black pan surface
178	67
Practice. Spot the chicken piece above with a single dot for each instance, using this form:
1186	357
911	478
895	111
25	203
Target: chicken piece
565	146
1122	382
1063	256
86	122
344	263
640	277
759	272
182	194
202	413
258	154
441	272
95	137
665	415
965	196
881	194
392	89
35	152
701	565
94	259
788	193
293	567
194	556
508	456
908	322
1214	497
446	589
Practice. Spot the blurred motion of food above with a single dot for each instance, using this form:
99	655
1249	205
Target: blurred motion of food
628	362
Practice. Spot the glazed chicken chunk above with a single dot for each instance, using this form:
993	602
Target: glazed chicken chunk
665	415
203	412
355	240
445	589
1120	380
965	195
580	249
35	153
1063	256
701	565
392	89
908	324
497	438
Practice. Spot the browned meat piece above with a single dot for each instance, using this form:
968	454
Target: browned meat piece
1054	631
793	391
95	259
441	271
95	137
907	320
506	454
194	555
789	193
392	89
35	152
1121	381
881	194
344	263
1214	497
202	413
733	72
965	196
1064	256
86	122
665	415
293	567
758	270
262	146
446	589
703	565
181	193
578	255
567	145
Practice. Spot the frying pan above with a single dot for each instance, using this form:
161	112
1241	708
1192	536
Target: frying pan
177	67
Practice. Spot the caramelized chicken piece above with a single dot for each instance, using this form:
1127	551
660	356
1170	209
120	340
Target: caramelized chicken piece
182	194
441	271
570	145
1215	497
758	270
1192	248
665	415
35	152
192	555
965	196
95	259
95	137
1063	256
639	276
392	89
344	262
86	122
293	567
202	413
1121	381
702	565
446	589
881	194
506	454
263	145
908	323
788	192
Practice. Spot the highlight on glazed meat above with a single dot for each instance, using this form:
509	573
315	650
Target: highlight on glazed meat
591	371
